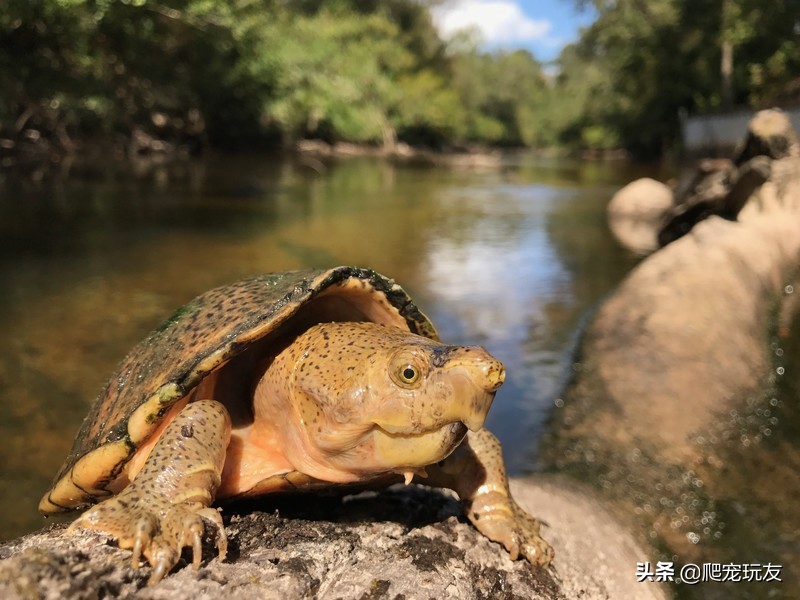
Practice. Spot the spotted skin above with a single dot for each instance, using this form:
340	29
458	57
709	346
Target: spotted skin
164	509
332	402
214	327
348	413
476	472
344	403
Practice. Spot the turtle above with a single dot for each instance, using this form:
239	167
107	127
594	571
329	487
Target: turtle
282	383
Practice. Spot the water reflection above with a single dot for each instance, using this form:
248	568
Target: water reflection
496	274
92	262
491	246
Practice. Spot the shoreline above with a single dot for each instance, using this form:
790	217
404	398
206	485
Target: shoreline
41	154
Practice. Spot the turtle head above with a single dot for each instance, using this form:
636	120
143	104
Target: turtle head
371	399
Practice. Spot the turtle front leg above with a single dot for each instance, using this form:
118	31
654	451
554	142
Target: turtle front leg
164	508
476	472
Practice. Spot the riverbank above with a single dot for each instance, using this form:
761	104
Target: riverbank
42	160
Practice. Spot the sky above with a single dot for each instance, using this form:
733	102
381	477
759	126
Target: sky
542	26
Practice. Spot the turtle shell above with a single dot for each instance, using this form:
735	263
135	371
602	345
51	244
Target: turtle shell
209	332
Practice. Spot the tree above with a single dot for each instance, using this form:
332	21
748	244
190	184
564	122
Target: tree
503	94
663	57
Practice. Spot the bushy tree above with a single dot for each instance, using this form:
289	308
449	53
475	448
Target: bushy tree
503	94
648	62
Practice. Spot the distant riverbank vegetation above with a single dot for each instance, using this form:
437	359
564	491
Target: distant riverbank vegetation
245	73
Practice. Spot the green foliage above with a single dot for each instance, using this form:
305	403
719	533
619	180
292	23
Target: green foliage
375	71
503	94
426	109
599	137
641	64
249	70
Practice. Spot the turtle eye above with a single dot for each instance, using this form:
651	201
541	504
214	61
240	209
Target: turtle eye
407	369
408	374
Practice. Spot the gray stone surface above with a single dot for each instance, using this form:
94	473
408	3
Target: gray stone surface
689	327
404	543
596	554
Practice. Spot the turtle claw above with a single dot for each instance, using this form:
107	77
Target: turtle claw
162	560
503	521
477	474
136	556
197	549
214	518
537	551
157	533
164	510
531	545
146	526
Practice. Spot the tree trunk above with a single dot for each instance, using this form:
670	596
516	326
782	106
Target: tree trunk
726	69
726	63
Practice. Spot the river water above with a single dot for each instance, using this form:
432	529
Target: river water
92	259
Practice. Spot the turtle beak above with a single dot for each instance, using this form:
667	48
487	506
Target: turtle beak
492	375
476	377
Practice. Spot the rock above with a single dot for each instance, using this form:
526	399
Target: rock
781	191
314	147
689	327
596	554
769	154
636	212
401	543
672	412
769	133
700	194
749	178
675	412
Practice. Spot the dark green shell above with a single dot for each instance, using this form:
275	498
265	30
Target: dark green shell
197	338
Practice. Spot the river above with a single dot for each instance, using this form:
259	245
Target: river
92	259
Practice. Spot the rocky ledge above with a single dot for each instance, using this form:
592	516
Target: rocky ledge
401	543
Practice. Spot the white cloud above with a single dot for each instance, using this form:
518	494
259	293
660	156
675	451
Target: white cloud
500	22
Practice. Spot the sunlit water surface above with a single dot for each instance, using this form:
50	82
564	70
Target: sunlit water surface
92	260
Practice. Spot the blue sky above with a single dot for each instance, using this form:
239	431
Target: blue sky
541	26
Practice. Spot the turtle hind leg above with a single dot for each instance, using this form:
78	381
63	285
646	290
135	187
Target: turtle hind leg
166	506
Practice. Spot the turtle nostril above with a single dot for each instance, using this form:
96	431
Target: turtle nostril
501	376
495	375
